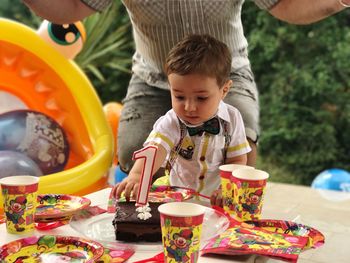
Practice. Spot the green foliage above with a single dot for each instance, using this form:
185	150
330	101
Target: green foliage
303	74
106	57
18	12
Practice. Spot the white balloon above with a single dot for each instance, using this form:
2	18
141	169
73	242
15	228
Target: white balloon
9	102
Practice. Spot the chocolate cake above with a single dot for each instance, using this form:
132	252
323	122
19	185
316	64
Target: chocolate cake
133	225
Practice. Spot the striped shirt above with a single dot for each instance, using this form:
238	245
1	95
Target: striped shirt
158	25
98	5
197	163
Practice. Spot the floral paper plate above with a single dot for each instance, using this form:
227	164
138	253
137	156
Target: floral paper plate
58	206
157	194
115	255
51	249
315	237
164	194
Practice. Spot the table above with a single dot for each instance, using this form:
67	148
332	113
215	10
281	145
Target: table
327	211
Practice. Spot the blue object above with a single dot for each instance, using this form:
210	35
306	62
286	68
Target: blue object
119	175
332	179
16	163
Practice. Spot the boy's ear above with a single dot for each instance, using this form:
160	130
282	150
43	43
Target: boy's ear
226	88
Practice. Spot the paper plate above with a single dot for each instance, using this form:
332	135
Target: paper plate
51	248
100	228
165	194
315	237
56	206
112	255
157	194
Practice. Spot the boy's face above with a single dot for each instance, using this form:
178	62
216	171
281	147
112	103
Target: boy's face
195	98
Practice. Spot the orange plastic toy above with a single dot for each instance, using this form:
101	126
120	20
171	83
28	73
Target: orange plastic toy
46	81
113	111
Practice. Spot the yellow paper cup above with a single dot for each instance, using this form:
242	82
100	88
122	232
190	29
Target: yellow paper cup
19	195
248	187
226	185
181	225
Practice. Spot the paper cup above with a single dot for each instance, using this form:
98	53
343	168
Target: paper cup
248	187
19	195
181	225
226	184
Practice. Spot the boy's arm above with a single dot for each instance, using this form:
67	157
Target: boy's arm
130	185
216	196
60	11
240	159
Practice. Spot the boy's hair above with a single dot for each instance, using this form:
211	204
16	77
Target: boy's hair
200	54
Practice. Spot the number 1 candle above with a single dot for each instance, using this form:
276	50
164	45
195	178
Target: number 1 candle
148	154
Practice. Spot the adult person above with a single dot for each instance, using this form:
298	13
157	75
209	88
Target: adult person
157	26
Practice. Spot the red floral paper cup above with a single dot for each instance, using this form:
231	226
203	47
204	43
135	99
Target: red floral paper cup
247	187
227	169
19	195
226	185
181	225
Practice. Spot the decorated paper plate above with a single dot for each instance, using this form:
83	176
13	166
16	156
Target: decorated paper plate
157	194
315	237
50	249
115	255
164	194
52	219
57	206
100	228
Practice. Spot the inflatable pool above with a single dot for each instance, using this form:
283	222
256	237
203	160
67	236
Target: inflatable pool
42	79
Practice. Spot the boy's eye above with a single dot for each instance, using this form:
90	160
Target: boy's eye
180	97
202	98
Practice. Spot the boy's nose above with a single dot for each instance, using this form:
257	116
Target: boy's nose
190	106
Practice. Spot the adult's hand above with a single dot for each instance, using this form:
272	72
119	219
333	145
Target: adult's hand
345	3
60	11
306	12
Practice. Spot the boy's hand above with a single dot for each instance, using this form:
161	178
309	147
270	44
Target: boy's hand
129	185
216	198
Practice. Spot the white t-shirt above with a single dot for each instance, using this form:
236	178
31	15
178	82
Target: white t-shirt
197	163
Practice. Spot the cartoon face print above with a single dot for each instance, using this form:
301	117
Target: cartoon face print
187	149
18	205
180	245
255	197
16	210
252	202
183	239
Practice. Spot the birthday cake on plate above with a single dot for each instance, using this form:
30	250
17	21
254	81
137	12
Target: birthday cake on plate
133	224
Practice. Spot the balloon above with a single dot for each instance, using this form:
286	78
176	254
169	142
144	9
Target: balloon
112	112
333	179
119	175
16	163
37	136
9	102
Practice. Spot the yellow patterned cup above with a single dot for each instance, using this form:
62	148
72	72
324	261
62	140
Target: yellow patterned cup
19	195
226	185
181	231
248	187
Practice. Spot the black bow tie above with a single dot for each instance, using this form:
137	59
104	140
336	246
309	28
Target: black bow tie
211	126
